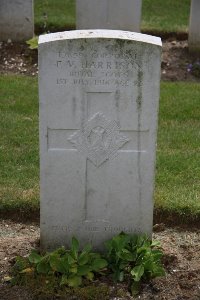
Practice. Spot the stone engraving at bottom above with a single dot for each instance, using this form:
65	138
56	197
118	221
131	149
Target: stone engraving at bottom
99	139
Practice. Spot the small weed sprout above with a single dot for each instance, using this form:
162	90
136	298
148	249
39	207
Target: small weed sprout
33	43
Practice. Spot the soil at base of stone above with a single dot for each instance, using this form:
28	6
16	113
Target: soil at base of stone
181	261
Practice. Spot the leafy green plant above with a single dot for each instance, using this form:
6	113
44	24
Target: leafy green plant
33	43
69	266
131	257
134	256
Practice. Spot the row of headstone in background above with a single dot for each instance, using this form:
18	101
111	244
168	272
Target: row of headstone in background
99	94
16	20
126	15
109	14
194	27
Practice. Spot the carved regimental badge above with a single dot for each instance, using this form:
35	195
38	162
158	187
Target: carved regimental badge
99	139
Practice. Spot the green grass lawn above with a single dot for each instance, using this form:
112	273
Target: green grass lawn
165	15
19	178
178	155
54	15
157	15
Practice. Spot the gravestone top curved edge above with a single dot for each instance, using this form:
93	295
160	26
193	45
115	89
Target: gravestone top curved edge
103	33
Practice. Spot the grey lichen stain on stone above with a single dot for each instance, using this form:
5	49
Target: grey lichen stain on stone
139	111
120	43
117	105
74	106
90	192
82	48
139	85
83	111
117	99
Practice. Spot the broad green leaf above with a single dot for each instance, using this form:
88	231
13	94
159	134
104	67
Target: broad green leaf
99	264
120	241
34	257
155	244
74	281
157	255
21	263
134	240
126	255
90	276
95	255
148	265
158	271
83	258
137	272
57	264
43	267
87	248
143	249
75	247
143	241
64	280
123	264
71	260
83	270
75	244
73	269
60	251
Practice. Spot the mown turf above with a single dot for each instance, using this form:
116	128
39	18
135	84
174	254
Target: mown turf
157	15
178	155
165	16
19	180
54	15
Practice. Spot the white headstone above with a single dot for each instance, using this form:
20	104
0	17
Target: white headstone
108	14
16	20
99	93
194	27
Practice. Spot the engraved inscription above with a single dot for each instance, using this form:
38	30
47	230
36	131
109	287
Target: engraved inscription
100	55
90	228
99	140
110	67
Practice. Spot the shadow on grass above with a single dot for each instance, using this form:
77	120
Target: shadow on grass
169	218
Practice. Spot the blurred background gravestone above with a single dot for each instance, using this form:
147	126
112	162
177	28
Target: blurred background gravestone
16	20
108	14
194	27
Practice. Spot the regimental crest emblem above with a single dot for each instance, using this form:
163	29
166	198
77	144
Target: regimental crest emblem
99	139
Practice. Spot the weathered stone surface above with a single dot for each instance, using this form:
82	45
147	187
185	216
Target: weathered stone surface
16	20
99	92
194	27
108	14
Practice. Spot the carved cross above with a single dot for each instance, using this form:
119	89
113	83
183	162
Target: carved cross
98	141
